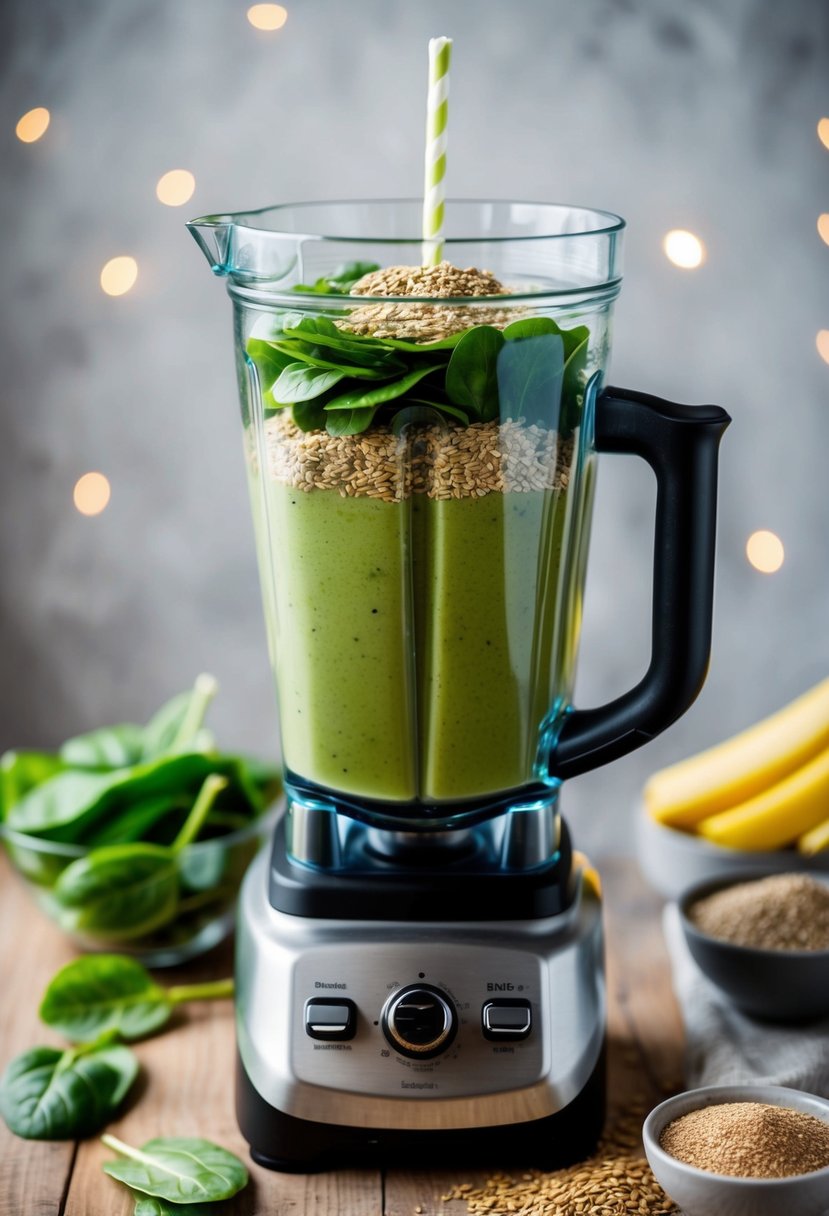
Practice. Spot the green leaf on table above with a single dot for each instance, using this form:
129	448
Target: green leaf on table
530	373
104	749
23	771
151	1205
48	1094
178	1169
358	399
472	376
112	993
299	382
101	992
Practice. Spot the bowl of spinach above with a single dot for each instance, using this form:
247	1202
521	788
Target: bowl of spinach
137	837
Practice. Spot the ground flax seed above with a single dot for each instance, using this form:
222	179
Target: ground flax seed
783	912
749	1140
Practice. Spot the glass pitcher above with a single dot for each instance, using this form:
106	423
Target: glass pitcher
421	464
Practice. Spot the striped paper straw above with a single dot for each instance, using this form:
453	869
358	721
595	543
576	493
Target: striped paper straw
434	189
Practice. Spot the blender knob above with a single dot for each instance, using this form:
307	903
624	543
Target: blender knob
419	1021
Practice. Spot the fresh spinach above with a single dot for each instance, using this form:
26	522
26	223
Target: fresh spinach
107	748
49	1094
531	369
21	772
340	281
120	892
149	1205
178	1169
530	372
101	993
298	382
471	377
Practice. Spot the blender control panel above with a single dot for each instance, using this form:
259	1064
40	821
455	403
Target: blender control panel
430	1019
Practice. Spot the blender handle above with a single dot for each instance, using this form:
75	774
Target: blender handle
680	443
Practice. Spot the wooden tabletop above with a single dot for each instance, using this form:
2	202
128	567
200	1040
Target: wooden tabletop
186	1083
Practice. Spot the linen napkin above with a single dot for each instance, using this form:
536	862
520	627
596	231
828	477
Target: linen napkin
726	1047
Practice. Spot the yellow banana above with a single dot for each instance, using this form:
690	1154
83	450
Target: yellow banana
777	816
740	768
816	840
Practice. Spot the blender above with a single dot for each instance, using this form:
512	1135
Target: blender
419	955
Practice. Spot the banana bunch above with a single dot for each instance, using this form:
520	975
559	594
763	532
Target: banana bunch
766	788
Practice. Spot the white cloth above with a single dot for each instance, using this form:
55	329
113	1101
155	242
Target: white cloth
725	1047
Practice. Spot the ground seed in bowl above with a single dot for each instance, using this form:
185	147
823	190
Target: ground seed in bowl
782	912
749	1140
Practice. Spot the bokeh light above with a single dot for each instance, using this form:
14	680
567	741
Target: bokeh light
765	551
267	16
823	132
683	249
91	494
32	125
823	226
175	187
822	344
119	275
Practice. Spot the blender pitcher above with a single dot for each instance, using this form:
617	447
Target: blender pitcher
422	491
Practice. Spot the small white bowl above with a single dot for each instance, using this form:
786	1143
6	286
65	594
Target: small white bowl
672	860
701	1193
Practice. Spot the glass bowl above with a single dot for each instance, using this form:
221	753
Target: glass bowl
195	912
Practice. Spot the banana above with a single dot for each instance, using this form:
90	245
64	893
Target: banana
742	767
777	816
814	841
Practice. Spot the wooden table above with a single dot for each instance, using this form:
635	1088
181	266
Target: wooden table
186	1081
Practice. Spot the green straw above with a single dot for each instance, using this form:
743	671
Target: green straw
437	111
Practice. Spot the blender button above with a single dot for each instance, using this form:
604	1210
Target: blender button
330	1019
506	1021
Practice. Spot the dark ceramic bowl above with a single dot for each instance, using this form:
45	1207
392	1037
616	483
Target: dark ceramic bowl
773	985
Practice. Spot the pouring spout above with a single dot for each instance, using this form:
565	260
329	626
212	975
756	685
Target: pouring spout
212	235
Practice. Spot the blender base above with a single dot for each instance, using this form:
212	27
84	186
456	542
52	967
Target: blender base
553	1142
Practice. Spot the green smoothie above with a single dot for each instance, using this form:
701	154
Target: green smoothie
414	640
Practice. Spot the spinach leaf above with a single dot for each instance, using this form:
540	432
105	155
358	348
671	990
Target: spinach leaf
573	385
298	382
471	377
309	415
359	398
340	281
120	892
178	1169
70	805
269	361
100	993
530	372
315	357
137	822
107	748
350	422
177	725
149	1205
21	772
48	1094
320	331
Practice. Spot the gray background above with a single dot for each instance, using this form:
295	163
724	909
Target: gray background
687	113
